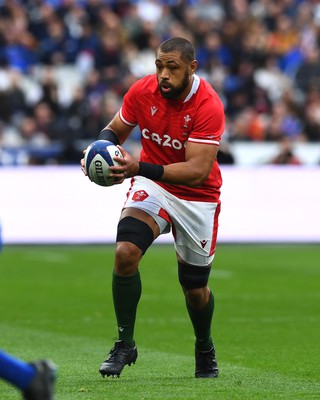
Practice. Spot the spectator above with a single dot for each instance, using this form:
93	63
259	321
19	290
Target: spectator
284	123
308	73
286	154
312	116
225	156
109	58
54	49
72	55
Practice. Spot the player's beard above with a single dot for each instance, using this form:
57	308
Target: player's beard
176	91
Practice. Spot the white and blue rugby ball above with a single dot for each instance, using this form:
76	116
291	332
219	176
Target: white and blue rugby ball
97	160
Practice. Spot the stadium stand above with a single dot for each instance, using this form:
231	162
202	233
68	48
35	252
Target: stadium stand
65	65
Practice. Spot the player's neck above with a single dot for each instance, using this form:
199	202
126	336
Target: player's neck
192	88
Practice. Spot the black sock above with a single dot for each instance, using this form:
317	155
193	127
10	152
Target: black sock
126	292
201	321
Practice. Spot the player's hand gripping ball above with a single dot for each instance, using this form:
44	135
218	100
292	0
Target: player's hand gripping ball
97	160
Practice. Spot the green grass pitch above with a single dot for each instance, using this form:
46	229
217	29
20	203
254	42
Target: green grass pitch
55	302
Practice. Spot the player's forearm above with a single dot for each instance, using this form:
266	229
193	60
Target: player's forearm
193	172
184	173
177	173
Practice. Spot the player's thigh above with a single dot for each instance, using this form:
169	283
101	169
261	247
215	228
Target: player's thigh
147	196
196	227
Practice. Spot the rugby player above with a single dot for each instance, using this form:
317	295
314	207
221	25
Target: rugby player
175	186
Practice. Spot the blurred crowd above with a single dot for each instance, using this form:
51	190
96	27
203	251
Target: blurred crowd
66	64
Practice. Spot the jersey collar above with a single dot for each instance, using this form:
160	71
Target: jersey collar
194	88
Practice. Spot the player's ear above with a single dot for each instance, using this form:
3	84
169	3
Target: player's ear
193	67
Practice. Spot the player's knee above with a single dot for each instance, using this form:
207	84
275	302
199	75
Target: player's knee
136	232
197	298
127	258
192	276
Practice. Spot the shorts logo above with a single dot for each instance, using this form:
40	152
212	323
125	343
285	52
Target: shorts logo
203	243
140	195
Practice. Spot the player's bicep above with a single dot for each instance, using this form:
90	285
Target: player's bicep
200	158
195	170
121	129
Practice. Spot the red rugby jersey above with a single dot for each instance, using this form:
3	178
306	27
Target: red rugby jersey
166	125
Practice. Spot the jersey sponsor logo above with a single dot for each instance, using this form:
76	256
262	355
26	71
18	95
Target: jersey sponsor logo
140	195
154	109
203	243
165	140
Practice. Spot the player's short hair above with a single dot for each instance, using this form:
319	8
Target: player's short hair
182	45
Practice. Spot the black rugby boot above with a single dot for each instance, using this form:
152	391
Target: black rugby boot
42	385
119	356
206	364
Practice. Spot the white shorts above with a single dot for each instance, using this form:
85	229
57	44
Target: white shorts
194	223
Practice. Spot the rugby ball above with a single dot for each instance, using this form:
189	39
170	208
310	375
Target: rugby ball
97	160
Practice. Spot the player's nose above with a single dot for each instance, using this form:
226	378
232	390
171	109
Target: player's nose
164	75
